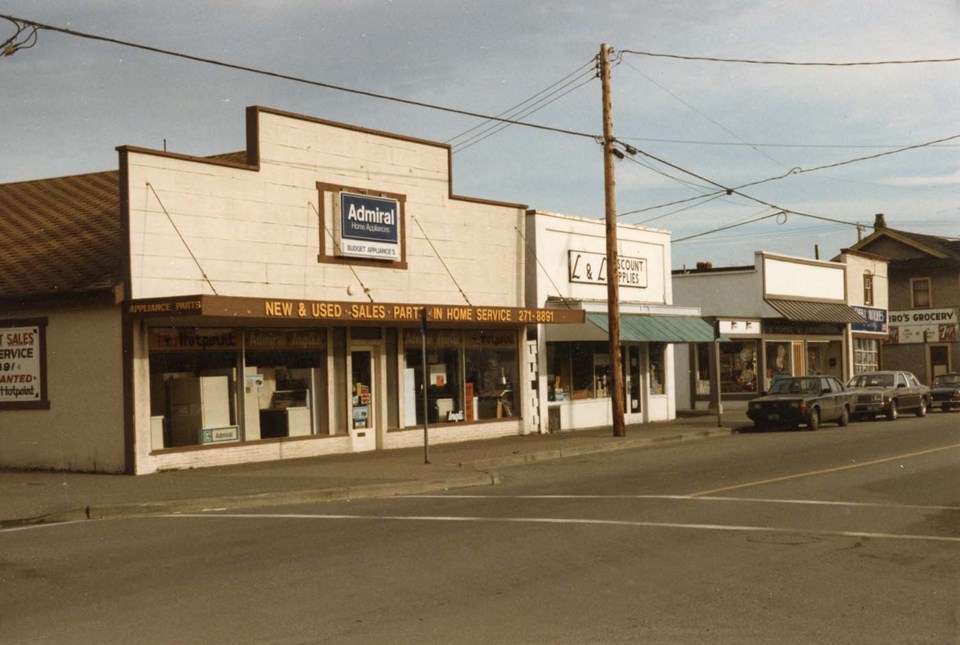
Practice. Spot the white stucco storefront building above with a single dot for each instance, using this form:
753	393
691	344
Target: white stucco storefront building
566	271
783	315
266	305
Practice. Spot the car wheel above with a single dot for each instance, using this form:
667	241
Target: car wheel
844	417
922	410
813	420
892	411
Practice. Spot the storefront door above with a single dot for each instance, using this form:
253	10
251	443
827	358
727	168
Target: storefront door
632	384
363	398
939	361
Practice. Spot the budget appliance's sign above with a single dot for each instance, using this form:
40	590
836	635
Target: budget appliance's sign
369	227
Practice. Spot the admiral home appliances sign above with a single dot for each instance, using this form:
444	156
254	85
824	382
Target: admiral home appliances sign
369	227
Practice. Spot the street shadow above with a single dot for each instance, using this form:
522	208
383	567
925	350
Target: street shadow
753	429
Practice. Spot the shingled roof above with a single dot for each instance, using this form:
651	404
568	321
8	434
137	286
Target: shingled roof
60	236
904	246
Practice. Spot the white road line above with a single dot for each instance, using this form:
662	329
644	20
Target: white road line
552	520
691	498
33	527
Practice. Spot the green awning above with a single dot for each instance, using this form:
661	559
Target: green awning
663	329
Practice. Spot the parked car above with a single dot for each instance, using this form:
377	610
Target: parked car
945	391
809	400
888	393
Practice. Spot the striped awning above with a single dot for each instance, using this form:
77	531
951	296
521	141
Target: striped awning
813	311
664	329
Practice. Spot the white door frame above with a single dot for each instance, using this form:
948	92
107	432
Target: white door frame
369	437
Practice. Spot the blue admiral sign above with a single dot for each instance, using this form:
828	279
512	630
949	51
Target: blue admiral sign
369	227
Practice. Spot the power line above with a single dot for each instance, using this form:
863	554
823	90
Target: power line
748	144
793	171
747	61
726	228
536	107
881	154
297	79
547	91
705	116
736	191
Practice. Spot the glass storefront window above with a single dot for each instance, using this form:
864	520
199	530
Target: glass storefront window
578	370
444	394
738	367
656	362
193	385
472	375
866	355
289	387
779	360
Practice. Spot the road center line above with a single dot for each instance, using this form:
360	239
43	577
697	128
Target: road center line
807	502
577	521
824	471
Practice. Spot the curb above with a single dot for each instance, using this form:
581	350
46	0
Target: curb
613	446
198	505
464	479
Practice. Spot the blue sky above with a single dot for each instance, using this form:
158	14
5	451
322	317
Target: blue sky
68	102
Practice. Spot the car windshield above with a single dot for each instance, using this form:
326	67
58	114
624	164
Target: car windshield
795	386
947	380
872	380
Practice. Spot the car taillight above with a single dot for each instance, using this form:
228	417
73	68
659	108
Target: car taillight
803	405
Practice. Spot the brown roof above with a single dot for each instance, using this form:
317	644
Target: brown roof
60	235
917	243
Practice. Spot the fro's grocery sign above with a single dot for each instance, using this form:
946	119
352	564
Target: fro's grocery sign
924	326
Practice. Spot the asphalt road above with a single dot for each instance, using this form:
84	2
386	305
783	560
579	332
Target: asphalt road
845	535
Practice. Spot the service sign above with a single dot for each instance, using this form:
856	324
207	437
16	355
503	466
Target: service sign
20	365
368	227
591	268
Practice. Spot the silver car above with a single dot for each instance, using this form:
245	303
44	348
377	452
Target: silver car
888	393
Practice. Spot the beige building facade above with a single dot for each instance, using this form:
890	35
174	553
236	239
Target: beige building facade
321	292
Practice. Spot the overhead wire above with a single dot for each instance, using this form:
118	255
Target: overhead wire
10	46
21	23
748	61
749	144
298	79
792	171
502	126
702	114
548	91
726	228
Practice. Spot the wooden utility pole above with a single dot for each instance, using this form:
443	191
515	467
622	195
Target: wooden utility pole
613	281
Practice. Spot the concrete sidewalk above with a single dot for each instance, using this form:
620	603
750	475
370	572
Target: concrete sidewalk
41	496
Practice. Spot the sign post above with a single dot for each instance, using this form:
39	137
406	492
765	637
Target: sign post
423	357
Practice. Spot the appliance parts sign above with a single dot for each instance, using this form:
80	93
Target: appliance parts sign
20	364
369	227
